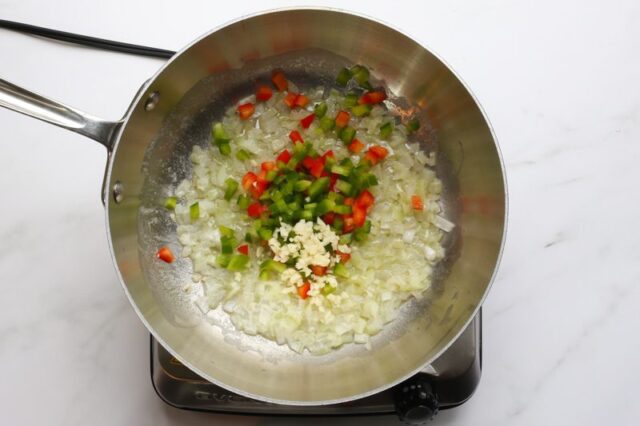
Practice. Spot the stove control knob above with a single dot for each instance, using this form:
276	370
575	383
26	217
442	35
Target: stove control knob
415	401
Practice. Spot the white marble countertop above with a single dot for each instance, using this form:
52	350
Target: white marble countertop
560	83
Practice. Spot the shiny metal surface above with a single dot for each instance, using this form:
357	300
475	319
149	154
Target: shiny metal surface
37	106
454	376
151	156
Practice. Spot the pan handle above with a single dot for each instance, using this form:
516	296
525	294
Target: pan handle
23	101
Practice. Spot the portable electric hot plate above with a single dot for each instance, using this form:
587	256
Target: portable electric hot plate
446	383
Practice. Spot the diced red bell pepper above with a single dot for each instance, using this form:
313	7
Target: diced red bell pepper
308	162
372	98
255	185
417	203
317	169
295	137
342	119
296	100
348	201
284	156
332	181
371	158
306	122
258	188
344	257
318	270
243	249
248	179
359	216
290	99
365	199
314	165
379	151
246	110
264	93
256	209
348	225
328	218
279	80
327	154
303	290
267	166
301	101
356	146
165	255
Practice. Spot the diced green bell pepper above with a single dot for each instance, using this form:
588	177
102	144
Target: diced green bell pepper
243	155
223	260
351	99
280	206
238	262
344	187
340	270
269	267
327	290
329	162
361	76
340	170
325	206
318	186
231	186
221	139
343	77
294	205
170	203
194	211
224	147
346	238
347	134
338	223
302	185
306	214
386	129
310	206
342	209
361	110
271	175
243	202
227	244
265	233
219	134
360	234
327	123
320	110
226	231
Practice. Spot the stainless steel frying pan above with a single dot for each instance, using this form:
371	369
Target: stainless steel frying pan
148	155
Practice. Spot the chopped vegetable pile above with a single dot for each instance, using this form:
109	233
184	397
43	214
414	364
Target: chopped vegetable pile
312	218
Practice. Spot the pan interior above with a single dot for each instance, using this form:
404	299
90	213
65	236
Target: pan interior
194	89
167	164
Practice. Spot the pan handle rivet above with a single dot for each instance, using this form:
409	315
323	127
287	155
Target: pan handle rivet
152	101
117	192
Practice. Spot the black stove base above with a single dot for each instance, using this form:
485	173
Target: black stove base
448	382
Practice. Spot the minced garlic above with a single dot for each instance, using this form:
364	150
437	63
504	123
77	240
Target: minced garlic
308	244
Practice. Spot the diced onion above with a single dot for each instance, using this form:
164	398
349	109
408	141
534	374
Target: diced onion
443	223
392	265
408	235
